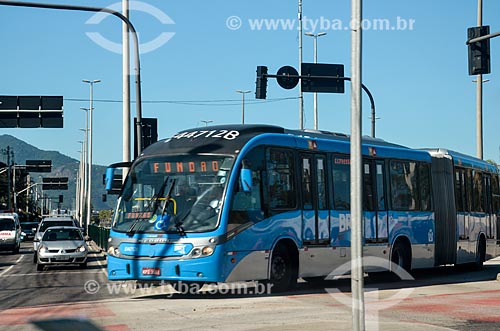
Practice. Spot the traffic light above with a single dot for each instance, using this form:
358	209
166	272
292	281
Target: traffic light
149	128
479	52
261	83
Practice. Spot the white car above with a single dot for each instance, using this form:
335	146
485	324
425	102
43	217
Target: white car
62	245
47	223
10	232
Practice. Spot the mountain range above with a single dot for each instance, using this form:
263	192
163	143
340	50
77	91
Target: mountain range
62	166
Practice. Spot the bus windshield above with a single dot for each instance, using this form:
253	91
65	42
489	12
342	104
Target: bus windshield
174	194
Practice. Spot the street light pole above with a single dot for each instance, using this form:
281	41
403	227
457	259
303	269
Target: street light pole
315	36
89	189
479	93
78	185
126	88
85	157
243	104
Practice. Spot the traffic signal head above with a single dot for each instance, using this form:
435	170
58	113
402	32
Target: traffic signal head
479	52
261	83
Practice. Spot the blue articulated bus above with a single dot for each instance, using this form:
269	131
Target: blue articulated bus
260	202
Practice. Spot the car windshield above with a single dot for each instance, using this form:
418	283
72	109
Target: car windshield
62	234
173	194
6	224
47	224
29	225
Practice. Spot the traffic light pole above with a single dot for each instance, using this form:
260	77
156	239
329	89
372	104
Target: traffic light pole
479	94
487	36
138	128
367	91
480	72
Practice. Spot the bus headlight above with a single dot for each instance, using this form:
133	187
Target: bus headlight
202	251
207	251
112	251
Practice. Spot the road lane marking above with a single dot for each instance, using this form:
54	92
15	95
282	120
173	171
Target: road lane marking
6	270
103	269
12	266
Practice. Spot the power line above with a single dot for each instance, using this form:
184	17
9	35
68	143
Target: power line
227	102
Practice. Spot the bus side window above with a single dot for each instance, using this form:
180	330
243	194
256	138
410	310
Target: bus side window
341	182
281	179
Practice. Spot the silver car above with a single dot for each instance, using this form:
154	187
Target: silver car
44	225
62	245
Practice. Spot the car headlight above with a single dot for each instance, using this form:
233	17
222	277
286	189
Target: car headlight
202	251
81	248
42	249
112	251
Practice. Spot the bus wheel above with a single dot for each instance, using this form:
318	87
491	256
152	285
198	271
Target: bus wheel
282	275
400	258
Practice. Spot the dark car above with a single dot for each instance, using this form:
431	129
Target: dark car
29	228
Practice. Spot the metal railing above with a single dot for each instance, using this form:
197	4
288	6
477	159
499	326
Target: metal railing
99	235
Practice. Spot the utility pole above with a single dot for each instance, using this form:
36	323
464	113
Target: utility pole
301	98
479	93
357	275
9	175
91	132
243	104
126	88
315	36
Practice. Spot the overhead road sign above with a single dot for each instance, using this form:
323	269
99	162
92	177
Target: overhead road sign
31	111
38	165
317	77
55	183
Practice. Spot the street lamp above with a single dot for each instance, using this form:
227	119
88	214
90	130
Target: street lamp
85	168
315	36
80	183
206	122
243	104
89	189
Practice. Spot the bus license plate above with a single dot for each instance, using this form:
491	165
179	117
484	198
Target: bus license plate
151	271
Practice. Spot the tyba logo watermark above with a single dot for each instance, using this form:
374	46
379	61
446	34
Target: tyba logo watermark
375	301
138	6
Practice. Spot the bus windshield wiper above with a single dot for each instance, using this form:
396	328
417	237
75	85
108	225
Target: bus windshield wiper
154	201
178	226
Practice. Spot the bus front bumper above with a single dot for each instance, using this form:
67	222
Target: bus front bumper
202	269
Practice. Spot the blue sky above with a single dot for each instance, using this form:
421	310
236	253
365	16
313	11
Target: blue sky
417	74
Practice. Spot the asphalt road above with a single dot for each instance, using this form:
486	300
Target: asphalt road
21	285
439	299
